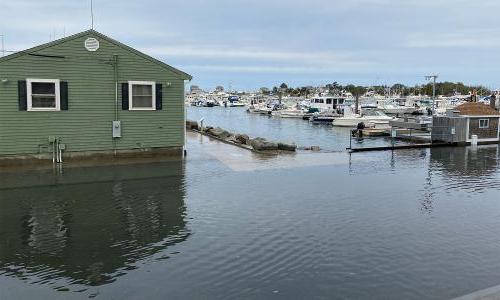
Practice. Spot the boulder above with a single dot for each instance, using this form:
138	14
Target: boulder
219	133
261	144
242	139
287	147
232	139
192	125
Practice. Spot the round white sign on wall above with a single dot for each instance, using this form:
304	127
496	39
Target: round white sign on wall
91	44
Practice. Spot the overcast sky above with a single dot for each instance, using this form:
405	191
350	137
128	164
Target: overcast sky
254	43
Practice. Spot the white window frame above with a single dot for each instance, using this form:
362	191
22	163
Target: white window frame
29	93
487	124
130	94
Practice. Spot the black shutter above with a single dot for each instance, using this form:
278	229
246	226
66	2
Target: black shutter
22	95
159	96
64	95
125	96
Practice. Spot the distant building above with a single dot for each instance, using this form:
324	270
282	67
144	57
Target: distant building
466	120
219	88
194	89
88	94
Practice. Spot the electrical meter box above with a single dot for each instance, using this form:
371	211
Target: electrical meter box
117	129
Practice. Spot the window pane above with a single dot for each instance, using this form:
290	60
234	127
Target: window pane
142	101
142	90
43	88
43	101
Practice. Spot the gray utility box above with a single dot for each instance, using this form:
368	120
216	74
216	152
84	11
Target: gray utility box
117	129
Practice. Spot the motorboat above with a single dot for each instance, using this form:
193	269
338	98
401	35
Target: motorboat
370	117
233	101
393	108
328	103
289	113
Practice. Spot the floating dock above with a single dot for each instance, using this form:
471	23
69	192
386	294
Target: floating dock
399	147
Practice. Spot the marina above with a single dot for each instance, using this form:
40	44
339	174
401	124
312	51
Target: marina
376	122
273	150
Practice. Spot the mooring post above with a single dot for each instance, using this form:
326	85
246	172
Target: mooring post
350	139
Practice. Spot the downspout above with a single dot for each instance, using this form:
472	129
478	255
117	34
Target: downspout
115	67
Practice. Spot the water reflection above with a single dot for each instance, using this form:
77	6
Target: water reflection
89	225
467	168
470	169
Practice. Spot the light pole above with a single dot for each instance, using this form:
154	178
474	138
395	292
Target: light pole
433	77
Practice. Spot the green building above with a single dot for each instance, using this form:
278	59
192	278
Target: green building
85	95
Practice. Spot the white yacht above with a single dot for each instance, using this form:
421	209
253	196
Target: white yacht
389	106
233	101
289	113
328	103
370	117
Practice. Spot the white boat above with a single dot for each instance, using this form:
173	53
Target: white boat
328	103
370	117
209	103
233	101
235	104
288	113
391	107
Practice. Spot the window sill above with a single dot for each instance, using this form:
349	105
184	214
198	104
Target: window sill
144	109
43	109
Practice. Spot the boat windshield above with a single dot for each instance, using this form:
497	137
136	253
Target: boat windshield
374	113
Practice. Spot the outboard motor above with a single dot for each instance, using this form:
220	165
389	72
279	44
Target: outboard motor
359	129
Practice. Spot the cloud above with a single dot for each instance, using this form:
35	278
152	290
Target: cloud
262	69
295	39
260	53
478	38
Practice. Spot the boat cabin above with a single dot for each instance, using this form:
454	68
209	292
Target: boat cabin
326	103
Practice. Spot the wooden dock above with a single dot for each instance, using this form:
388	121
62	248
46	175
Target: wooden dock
399	147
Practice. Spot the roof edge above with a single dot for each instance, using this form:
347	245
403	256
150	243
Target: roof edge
45	45
182	74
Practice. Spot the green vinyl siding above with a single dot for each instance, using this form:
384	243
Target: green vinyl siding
87	124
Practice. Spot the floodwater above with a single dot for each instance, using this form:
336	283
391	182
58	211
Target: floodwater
290	130
226	223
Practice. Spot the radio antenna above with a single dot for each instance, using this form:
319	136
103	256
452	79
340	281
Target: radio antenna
91	15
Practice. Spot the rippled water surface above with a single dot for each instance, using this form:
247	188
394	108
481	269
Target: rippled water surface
412	224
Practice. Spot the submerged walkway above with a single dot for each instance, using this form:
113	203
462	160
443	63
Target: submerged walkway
492	293
238	159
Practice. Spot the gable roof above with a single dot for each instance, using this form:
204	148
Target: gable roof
476	109
181	74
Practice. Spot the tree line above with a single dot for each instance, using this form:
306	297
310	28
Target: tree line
442	88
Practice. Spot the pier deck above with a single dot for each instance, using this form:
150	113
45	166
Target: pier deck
399	147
